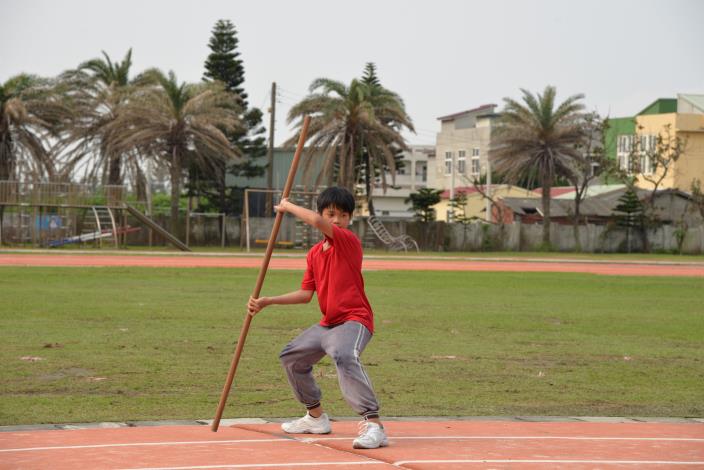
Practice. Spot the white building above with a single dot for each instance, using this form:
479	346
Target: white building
410	178
463	143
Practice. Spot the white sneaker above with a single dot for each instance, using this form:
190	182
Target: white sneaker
308	425
371	436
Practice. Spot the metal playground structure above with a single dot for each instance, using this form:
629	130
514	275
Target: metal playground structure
259	216
54	214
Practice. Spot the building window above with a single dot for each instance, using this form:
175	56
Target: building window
625	143
448	163
461	161
635	153
624	147
475	152
646	163
476	166
422	171
401	169
594	169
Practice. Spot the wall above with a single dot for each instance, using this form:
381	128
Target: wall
655	124
453	140
476	204
478	236
691	166
437	236
618	126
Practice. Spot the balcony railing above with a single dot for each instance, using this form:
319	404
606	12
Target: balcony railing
16	193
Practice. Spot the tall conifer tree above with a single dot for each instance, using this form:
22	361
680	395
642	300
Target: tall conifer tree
224	64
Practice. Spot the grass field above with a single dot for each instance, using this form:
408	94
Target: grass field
119	344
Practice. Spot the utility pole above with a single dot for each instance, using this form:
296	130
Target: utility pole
488	190
451	212
270	153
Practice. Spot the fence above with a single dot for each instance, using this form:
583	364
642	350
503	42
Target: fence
433	236
441	236
16	193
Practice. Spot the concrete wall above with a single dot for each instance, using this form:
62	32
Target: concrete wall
453	141
440	236
434	236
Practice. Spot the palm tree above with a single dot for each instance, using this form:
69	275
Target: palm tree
178	124
32	115
100	87
32	110
537	140
347	121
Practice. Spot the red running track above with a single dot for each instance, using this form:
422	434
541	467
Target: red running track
616	269
413	445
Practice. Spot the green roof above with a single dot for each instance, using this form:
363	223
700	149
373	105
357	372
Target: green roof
661	106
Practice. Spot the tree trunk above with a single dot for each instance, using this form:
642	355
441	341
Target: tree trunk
222	189
546	211
575	220
6	157
368	184
175	189
114	170
575	226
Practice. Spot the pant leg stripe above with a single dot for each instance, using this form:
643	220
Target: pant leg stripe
359	363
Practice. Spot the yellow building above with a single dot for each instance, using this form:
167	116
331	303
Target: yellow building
476	203
670	119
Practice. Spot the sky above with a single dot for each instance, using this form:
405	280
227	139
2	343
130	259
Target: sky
440	56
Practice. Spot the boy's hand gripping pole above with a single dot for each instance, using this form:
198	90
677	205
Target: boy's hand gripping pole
260	278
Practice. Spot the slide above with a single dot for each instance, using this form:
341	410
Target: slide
157	228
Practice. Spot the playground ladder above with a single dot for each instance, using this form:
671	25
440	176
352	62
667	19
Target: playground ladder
104	224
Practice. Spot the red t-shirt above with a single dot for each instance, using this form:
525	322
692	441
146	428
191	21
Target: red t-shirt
336	276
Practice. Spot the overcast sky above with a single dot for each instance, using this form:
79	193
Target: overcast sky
440	56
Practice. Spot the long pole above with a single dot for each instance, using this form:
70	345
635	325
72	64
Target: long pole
270	150
451	213
246	217
260	278
489	215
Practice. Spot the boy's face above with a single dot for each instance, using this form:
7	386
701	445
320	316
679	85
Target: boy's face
336	217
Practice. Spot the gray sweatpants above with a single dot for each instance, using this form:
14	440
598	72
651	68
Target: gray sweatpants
344	343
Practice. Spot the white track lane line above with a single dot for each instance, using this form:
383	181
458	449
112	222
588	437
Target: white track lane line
498	438
265	465
595	462
321	439
137	444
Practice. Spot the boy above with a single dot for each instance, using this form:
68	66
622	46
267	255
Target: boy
334	271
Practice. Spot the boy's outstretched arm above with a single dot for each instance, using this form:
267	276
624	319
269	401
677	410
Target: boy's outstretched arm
299	296
306	215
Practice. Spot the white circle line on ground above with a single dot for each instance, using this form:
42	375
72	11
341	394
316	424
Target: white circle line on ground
596	462
392	438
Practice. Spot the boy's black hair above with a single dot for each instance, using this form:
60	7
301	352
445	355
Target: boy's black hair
337	197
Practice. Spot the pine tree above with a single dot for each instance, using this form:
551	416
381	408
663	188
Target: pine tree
422	203
630	216
224	64
371	80
370	77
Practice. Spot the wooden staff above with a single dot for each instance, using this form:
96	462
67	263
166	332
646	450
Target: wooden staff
260	278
